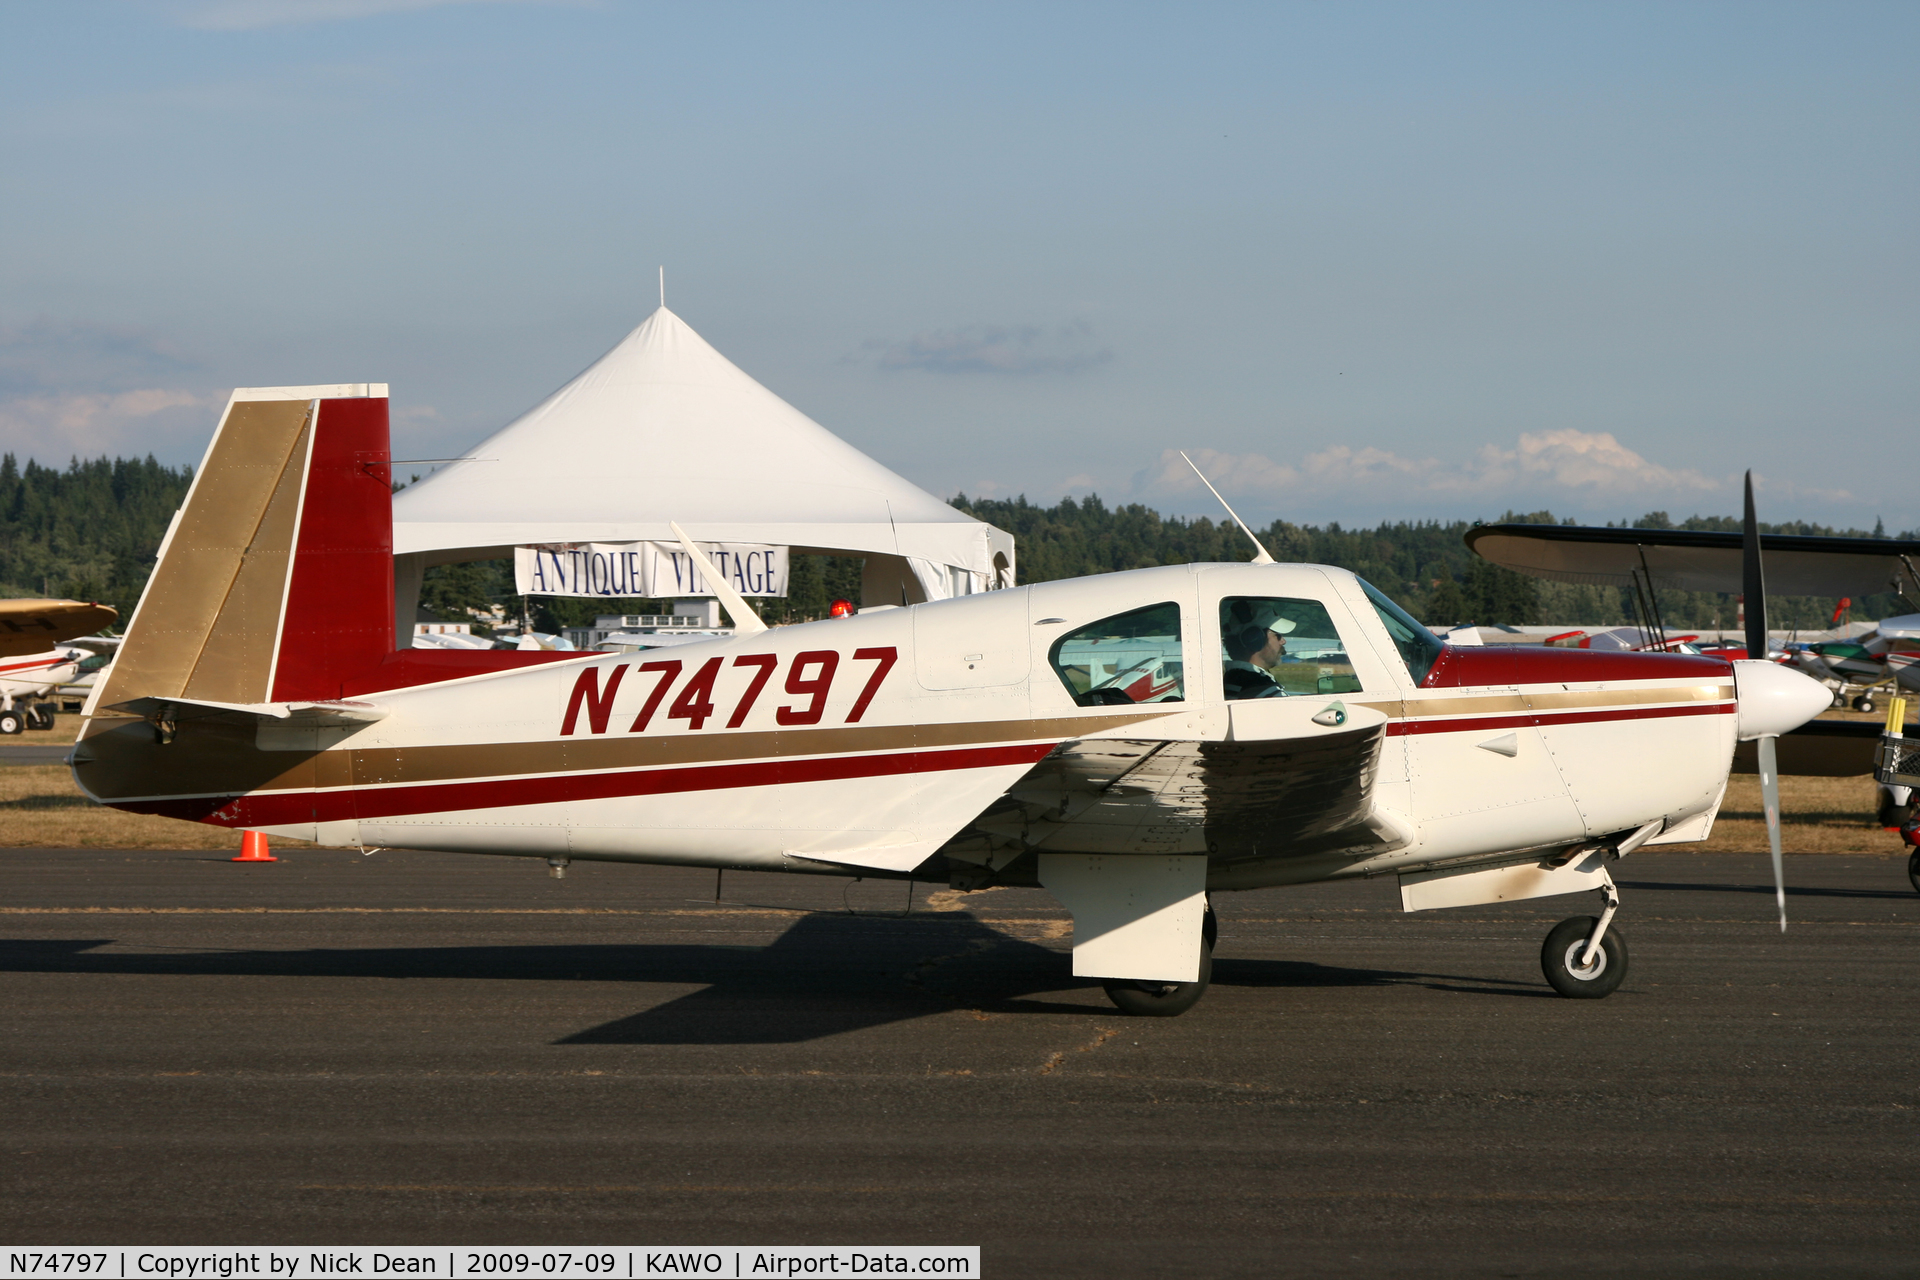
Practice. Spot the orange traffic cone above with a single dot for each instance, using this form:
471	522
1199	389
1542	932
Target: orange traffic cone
253	848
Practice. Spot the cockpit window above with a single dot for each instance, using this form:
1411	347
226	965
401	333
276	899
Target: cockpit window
1118	661
1274	647
1419	648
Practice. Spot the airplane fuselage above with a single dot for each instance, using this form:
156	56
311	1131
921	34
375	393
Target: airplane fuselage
904	740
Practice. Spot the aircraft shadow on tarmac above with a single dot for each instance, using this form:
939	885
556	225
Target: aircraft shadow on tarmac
827	975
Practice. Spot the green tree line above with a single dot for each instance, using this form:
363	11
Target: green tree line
90	532
1424	565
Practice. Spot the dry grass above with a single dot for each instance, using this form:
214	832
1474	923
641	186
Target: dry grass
1817	815
65	729
41	808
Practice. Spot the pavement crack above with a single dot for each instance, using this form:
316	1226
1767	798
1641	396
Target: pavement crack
1057	1060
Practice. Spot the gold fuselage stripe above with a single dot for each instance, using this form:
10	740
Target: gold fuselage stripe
122	760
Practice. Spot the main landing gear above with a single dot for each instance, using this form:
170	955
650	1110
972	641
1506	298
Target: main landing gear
1141	999
1584	959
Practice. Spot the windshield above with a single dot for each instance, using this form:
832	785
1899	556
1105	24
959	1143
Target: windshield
1418	646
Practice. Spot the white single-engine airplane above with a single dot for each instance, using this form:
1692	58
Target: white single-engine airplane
1112	738
29	671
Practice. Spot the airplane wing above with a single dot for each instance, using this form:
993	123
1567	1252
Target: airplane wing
1694	560
1270	784
1246	780
94	644
34	626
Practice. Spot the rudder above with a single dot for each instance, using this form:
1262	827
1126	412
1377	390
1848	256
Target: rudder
275	581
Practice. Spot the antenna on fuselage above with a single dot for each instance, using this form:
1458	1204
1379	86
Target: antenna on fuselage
745	621
1261	557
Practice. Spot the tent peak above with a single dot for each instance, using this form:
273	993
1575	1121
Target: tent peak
663	420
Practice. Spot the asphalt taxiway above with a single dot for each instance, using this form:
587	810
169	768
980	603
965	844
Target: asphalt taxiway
425	1048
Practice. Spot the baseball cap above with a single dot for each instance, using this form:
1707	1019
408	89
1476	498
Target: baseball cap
1271	618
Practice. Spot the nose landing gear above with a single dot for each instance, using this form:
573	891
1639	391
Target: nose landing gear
1582	958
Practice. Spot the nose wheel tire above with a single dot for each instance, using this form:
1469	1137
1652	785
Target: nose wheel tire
1560	960
1141	999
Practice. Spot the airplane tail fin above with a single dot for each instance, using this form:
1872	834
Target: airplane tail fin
275	580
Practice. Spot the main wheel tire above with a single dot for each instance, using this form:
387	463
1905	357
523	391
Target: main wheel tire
1560	959
39	716
1913	869
1160	999
12	722
1863	704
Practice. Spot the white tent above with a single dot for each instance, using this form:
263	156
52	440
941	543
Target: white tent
663	427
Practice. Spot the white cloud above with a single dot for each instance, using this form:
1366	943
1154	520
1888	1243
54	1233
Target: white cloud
1539	469
251	15
1589	460
75	388
53	428
987	348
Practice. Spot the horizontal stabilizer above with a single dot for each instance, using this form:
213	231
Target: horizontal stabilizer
297	715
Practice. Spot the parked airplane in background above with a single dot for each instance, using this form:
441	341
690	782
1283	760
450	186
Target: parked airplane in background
1132	742
1881	659
29	670
1691	560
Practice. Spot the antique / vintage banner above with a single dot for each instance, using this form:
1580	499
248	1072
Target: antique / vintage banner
645	570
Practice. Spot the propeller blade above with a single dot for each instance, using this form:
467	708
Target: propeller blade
1753	580
1770	800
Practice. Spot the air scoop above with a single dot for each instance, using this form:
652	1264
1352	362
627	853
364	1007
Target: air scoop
1775	699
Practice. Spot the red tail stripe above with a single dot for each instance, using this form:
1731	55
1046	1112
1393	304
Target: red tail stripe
339	609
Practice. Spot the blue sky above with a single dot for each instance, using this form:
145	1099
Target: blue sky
1366	261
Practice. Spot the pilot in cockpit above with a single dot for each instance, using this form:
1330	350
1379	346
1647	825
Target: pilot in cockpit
1252	648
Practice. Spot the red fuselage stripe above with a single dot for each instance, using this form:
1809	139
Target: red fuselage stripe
271	809
1549	719
268	809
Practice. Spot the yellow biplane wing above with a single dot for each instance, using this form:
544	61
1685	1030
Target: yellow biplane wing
32	626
